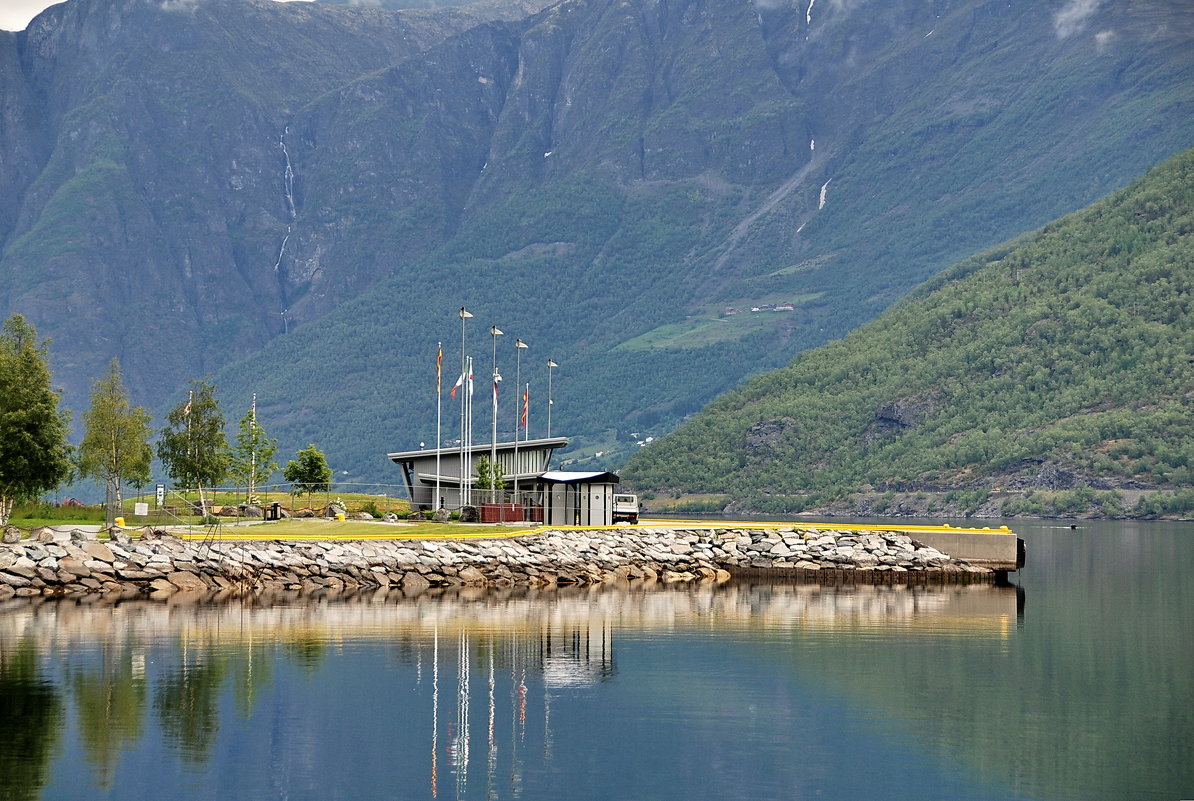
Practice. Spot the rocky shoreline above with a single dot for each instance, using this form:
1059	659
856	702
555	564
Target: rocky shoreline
56	563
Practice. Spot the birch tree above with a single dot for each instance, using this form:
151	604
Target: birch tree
115	443
193	446
253	456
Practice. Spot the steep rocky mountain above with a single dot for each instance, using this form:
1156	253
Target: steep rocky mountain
300	197
144	159
1051	375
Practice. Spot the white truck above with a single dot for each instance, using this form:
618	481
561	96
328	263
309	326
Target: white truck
625	508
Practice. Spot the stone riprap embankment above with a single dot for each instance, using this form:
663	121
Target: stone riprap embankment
72	564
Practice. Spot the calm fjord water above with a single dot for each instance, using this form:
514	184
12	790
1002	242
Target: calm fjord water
1079	684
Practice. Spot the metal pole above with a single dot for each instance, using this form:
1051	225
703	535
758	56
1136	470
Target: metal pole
253	452
469	447
519	347
495	332
439	408
464	315
550	402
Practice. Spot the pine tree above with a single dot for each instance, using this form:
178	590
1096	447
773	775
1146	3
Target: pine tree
115	443
34	453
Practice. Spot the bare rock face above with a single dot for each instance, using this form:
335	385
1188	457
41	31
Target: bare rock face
1054	478
767	435
898	415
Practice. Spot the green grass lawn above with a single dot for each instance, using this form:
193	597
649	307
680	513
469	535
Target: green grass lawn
34	515
316	528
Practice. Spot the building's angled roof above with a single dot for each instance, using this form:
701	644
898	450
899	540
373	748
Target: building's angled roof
525	445
566	477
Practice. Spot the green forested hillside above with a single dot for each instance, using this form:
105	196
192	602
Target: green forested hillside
1064	360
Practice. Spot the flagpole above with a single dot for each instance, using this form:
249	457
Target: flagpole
550	402
519	347
464	315
470	431
252	451
495	332
439	411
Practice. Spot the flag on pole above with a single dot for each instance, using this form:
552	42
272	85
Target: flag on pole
496	378
439	369
456	386
470	377
526	401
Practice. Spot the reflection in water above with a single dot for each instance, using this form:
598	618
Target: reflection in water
498	662
30	715
186	700
569	629
762	690
109	700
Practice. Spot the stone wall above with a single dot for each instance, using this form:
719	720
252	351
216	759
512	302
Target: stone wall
164	564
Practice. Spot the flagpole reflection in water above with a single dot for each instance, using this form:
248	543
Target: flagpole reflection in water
461	755
434	712
491	789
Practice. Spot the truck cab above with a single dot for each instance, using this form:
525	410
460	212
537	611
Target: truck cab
625	508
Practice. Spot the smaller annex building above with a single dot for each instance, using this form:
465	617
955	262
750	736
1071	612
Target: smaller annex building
578	499
531	492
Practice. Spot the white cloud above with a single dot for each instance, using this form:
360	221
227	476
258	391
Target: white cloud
1103	38
1074	16
15	15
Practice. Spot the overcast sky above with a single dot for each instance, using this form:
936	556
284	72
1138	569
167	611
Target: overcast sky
16	14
